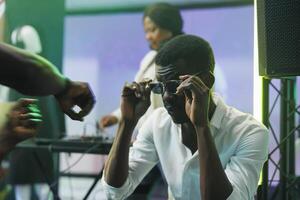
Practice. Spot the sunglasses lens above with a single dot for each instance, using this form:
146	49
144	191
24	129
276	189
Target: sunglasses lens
171	86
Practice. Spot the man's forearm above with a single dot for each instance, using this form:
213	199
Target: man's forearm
28	73
116	166
214	184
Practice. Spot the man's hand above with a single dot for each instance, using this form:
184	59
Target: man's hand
197	99
135	100
20	124
107	120
76	94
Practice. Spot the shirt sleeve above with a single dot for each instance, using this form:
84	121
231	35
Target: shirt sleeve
244	168
142	158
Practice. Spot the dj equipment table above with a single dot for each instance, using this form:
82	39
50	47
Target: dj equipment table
85	145
91	145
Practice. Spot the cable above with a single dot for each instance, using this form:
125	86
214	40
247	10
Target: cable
52	188
69	178
83	154
71	166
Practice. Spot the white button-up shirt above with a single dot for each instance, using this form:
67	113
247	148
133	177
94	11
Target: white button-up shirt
241	142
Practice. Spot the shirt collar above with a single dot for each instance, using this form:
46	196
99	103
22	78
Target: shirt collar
219	113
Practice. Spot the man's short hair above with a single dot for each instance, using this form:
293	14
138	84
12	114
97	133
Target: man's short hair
195	51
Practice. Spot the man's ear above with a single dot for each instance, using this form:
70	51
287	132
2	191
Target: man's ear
209	79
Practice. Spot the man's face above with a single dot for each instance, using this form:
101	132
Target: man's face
154	34
174	103
168	81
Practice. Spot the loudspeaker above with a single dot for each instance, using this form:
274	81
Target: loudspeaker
278	26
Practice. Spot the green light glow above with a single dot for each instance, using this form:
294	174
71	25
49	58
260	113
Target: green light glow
257	80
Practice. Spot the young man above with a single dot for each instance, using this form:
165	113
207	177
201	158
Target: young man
207	149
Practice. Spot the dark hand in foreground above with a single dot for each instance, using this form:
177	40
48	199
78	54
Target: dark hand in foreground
197	99
20	124
135	100
76	94
107	121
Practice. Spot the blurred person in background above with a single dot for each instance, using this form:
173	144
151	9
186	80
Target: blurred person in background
161	22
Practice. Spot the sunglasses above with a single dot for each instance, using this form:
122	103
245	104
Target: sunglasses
169	86
162	87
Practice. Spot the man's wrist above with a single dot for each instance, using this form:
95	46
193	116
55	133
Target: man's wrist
66	88
201	121
127	126
202	125
128	123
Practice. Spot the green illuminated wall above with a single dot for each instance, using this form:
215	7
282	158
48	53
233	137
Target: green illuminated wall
46	16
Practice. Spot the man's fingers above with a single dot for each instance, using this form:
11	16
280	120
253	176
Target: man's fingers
199	86
184	77
107	121
25	109
128	90
30	116
146	89
86	109
86	103
193	83
25	133
187	87
29	123
78	94
73	115
103	122
139	90
23	102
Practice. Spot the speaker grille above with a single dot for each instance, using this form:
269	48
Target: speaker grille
279	37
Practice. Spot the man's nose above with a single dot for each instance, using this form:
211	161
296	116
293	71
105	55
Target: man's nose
169	98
